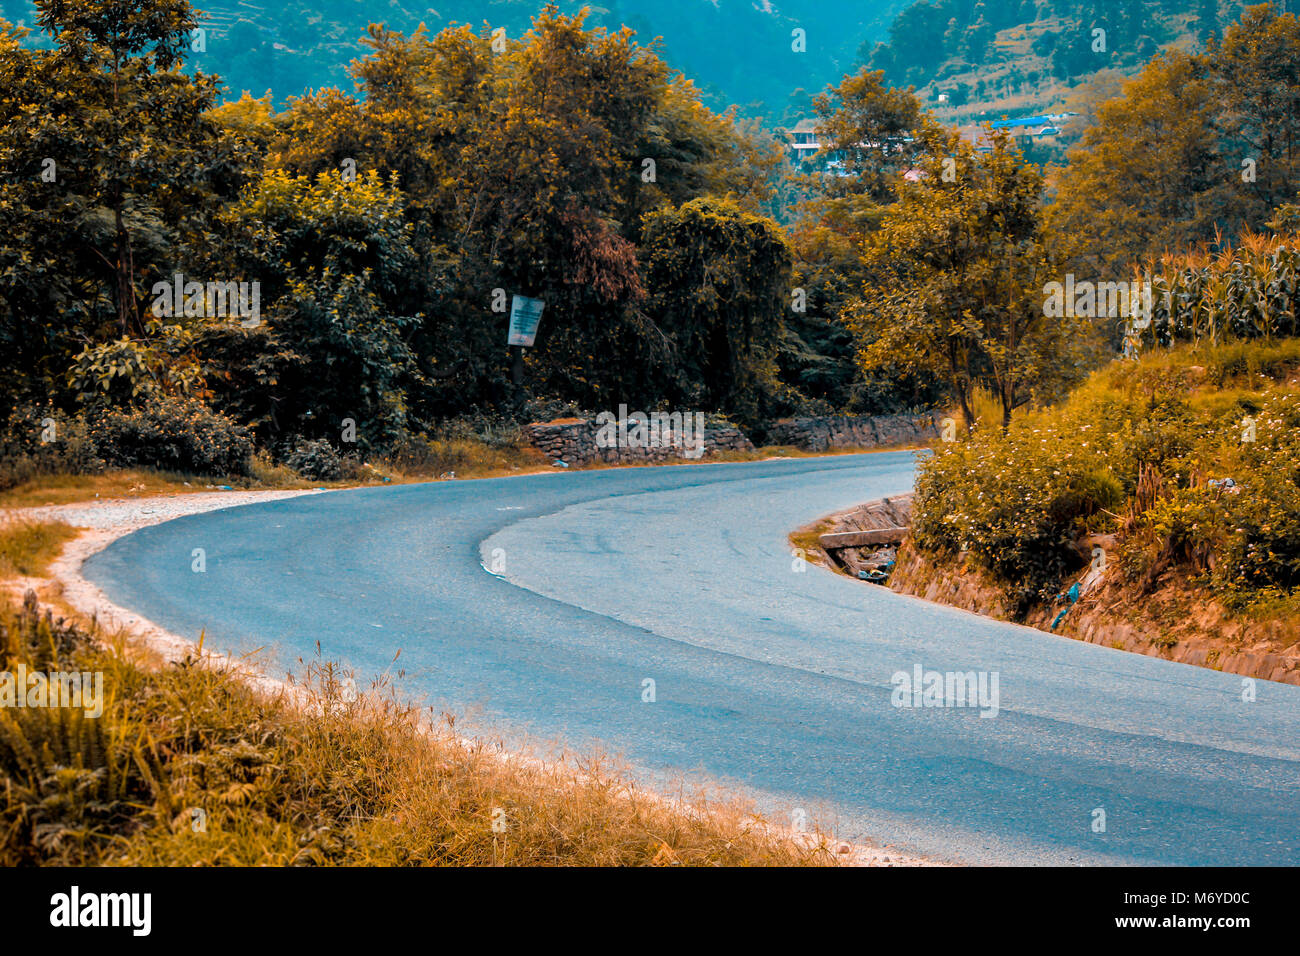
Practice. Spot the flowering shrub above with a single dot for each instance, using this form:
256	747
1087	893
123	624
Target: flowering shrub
1141	451
1016	502
174	435
318	460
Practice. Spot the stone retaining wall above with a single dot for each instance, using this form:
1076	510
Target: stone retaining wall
854	431
1113	615
574	443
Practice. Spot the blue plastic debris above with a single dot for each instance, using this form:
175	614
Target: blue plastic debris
1072	595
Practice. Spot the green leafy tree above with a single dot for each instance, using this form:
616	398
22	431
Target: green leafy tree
876	134
335	263
1194	147
527	169
959	268
110	163
1133	181
720	281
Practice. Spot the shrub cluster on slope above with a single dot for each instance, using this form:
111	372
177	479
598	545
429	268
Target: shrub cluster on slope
1141	451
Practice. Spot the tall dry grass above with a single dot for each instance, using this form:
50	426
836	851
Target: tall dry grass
27	547
189	765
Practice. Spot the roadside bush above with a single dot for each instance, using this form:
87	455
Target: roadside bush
481	451
1016	502
1141	450
39	440
418	455
1261	546
494	431
174	434
318	460
70	780
1246	360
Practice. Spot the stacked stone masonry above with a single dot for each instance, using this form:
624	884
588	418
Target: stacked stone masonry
854	431
574	443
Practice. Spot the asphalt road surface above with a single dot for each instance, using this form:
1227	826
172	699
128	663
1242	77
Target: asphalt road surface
770	677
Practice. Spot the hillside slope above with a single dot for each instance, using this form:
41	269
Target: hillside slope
991	60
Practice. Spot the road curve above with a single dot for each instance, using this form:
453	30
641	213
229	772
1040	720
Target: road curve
769	676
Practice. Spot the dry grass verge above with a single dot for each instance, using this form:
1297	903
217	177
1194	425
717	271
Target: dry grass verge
28	547
189	765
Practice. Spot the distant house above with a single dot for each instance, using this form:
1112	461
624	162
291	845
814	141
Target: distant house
803	140
980	135
806	152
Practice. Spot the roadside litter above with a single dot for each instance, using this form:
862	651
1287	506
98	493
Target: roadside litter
879	566
1077	590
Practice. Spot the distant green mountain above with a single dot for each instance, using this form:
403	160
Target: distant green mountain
737	51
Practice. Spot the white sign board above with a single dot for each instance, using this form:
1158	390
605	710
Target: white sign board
525	314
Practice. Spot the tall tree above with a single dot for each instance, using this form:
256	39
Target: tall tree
1195	146
959	265
109	163
143	151
1134	180
875	134
528	165
721	282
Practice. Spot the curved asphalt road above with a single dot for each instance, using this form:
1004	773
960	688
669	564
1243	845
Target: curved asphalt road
769	676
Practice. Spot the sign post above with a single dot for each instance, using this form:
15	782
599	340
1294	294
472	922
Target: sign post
525	315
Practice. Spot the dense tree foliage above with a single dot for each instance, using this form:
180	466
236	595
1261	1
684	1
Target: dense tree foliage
876	135
110	163
384	231
720	278
959	268
1196	146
